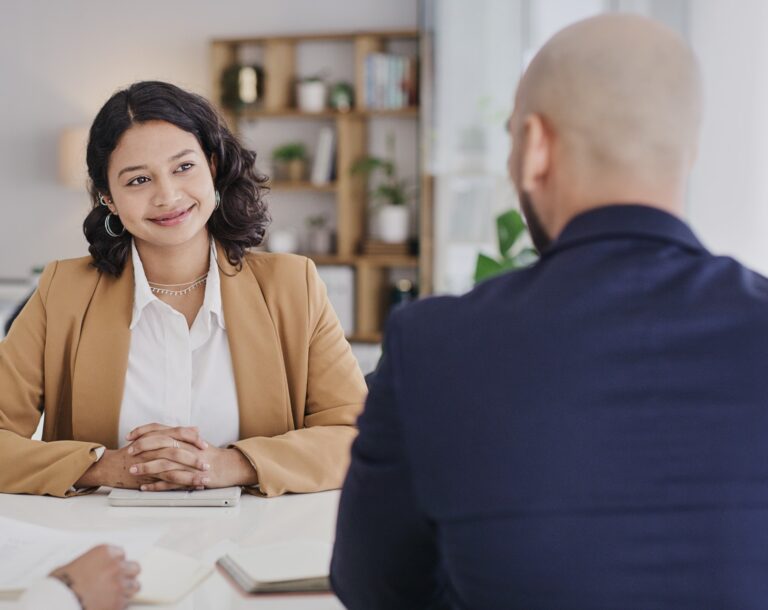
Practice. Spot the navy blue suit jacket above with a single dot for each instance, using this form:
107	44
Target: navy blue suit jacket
589	432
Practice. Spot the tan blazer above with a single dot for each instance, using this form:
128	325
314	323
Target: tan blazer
299	387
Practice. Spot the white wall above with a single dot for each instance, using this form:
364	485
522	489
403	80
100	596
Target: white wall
728	203
60	61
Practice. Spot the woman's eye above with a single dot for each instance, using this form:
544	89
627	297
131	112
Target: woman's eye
138	180
185	166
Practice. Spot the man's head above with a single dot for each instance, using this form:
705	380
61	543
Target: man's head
607	112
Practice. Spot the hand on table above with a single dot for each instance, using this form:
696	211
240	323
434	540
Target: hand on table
101	578
177	458
163	458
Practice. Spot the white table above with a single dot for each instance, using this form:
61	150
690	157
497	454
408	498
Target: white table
198	532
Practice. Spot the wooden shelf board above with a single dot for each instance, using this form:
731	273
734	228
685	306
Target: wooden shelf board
295	113
372	260
316	37
285	186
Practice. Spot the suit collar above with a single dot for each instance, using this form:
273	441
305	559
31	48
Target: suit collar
257	356
102	359
625	221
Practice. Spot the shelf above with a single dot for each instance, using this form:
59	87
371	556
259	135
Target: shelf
370	260
412	112
283	61
299	186
365	338
319	37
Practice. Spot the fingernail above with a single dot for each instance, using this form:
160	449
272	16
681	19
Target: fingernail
143	488
132	469
205	445
130	449
206	480
206	466
114	551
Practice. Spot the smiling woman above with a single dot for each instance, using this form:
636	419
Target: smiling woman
172	357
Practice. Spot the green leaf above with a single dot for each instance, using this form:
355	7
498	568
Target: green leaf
392	193
486	267
509	227
368	165
290	151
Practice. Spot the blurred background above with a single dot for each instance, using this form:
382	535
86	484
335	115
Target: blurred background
380	124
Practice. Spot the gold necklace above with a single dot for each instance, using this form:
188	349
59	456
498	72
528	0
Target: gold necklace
166	288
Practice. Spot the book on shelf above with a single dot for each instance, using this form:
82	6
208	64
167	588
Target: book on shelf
391	81
323	165
286	567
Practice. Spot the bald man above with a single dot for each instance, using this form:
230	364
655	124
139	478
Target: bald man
592	431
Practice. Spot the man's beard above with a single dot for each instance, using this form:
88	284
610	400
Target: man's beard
541	240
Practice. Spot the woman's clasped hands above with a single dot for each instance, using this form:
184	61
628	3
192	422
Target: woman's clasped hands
163	458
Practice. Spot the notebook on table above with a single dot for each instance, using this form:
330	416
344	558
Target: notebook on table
289	567
225	496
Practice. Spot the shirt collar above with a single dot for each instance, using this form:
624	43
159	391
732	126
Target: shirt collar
625	221
143	296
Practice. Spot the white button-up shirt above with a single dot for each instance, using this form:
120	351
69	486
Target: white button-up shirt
177	375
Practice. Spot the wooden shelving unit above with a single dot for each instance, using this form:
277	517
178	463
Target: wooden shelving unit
303	186
372	287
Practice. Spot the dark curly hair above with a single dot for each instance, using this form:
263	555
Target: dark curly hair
241	219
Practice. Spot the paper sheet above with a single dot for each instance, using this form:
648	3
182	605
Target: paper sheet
30	552
167	576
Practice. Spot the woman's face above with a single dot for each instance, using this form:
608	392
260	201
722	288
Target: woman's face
161	185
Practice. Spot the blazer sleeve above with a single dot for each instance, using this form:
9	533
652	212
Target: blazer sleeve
315	457
385	555
28	466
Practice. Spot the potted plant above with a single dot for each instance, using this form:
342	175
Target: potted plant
342	96
290	161
311	93
390	196
318	234
513	251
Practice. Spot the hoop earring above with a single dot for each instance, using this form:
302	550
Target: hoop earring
101	200
110	232
218	200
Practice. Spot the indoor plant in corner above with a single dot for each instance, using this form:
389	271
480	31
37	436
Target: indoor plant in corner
389	197
513	251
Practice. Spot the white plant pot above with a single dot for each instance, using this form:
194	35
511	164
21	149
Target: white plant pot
283	240
393	223
311	96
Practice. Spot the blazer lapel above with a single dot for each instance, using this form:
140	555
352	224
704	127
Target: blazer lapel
257	360
102	360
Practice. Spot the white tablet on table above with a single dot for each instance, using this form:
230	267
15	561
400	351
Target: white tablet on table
225	496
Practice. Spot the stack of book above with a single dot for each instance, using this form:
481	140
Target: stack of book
391	81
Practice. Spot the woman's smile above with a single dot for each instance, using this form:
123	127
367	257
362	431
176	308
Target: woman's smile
173	218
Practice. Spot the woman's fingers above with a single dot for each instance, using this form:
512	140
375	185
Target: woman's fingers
154	442
186	434
155	467
145	429
177	479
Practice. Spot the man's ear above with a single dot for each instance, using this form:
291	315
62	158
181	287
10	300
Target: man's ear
537	153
